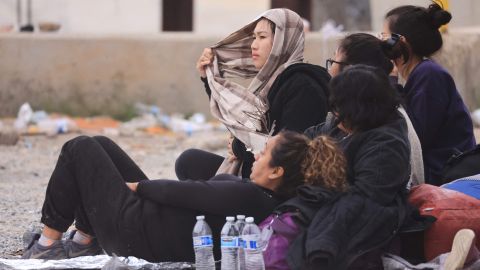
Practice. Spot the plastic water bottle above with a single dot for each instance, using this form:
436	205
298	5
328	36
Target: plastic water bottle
252	246
203	245
240	223
229	245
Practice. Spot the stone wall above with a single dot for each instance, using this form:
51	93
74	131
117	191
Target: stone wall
89	75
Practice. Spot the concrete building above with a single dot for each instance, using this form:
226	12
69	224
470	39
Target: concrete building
205	16
109	54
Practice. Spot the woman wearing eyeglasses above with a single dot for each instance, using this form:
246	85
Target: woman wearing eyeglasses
437	111
362	48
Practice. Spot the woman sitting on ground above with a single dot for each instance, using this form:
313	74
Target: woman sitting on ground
373	135
437	111
362	48
285	92
97	184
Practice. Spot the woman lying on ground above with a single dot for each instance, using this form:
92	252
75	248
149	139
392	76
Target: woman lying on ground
285	92
97	184
362	48
437	111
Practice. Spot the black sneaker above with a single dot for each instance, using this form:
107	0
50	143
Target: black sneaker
74	249
36	251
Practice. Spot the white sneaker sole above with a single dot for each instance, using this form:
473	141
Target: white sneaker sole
460	247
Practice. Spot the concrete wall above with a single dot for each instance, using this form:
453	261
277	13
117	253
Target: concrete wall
86	75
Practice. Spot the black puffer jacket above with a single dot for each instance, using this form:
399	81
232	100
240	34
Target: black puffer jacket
298	99
372	211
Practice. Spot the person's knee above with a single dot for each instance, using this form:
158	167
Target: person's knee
79	143
103	140
183	161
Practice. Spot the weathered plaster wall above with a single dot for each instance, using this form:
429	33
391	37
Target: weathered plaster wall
85	75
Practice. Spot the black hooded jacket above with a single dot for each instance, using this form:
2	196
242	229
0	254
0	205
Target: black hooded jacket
298	99
372	211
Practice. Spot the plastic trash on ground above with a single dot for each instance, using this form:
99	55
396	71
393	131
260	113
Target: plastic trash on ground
24	116
96	124
39	122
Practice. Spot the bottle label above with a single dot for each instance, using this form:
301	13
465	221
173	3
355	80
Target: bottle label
241	243
229	241
251	242
203	241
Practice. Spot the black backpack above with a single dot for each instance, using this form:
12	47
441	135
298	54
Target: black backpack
462	164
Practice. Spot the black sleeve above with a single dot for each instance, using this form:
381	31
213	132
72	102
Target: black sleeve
313	131
302	104
238	148
207	87
381	167
214	197
240	151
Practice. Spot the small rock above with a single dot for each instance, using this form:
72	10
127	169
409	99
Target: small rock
8	137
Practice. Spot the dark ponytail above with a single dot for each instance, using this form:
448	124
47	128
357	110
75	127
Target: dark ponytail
362	48
438	16
419	26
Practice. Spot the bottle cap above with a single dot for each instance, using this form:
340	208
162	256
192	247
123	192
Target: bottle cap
230	218
249	219
240	216
200	217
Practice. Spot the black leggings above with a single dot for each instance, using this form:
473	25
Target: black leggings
196	164
88	186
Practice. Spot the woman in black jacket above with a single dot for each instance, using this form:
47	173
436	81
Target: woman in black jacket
96	184
295	92
373	135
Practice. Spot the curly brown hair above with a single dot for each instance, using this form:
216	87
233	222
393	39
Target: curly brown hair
315	162
325	164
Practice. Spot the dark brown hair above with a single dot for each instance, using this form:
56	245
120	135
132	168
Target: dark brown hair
420	27
363	98
316	162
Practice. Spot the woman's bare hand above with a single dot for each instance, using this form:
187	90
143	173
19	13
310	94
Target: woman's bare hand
132	186
231	156
204	60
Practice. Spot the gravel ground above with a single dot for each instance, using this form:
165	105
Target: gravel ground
25	169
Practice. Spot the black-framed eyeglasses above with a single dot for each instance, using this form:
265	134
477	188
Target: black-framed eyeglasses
330	61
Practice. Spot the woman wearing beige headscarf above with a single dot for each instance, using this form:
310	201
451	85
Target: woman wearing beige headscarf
285	92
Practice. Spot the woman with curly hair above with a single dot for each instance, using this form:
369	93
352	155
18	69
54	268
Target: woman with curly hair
116	208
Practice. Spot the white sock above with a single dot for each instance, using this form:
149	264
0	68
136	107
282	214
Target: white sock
45	241
82	238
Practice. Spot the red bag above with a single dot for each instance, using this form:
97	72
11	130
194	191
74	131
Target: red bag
453	210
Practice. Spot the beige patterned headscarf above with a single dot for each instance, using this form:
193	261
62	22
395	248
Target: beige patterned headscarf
243	110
